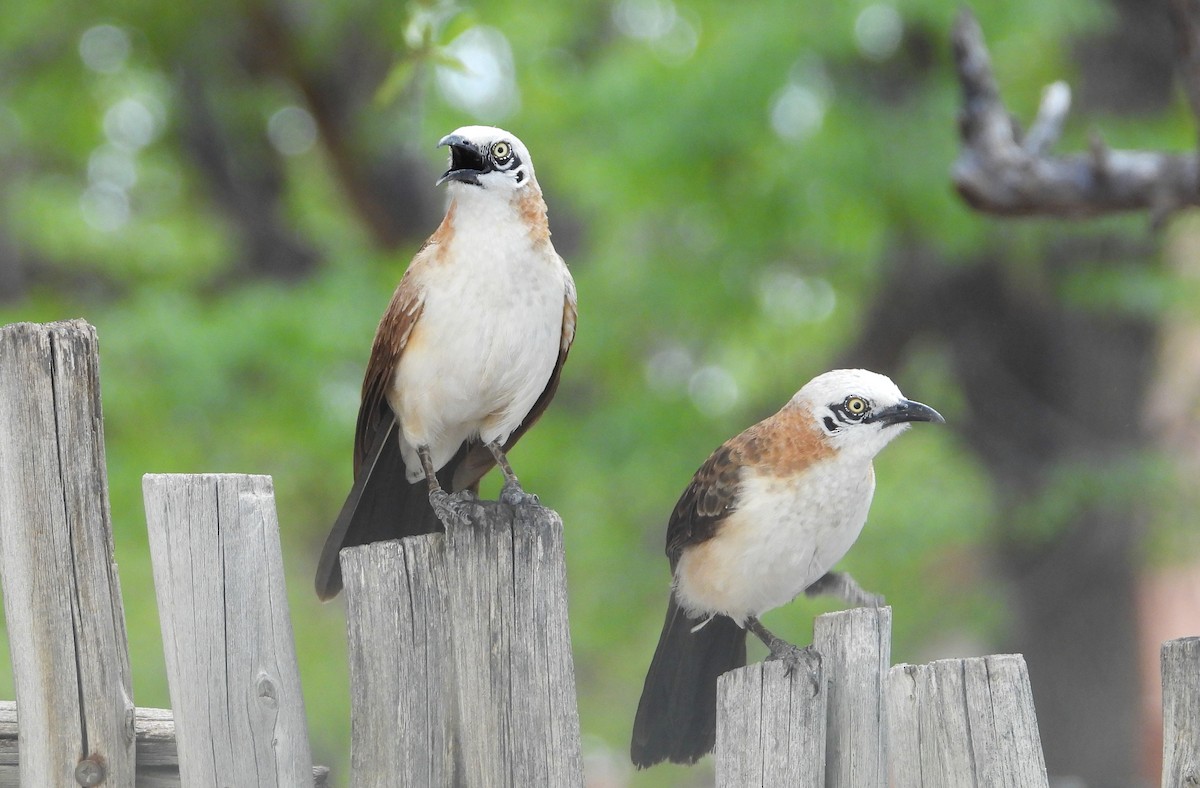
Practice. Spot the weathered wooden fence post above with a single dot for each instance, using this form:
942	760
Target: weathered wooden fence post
1181	712
62	599
958	722
467	633
400	665
764	709
773	729
856	651
461	665
227	634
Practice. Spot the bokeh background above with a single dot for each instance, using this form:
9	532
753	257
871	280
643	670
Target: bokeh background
748	194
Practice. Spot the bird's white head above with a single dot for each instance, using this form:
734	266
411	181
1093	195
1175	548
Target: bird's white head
860	412
488	159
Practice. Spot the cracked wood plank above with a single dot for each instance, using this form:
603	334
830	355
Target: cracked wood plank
958	722
775	729
771	727
227	634
460	654
62	598
157	758
856	646
1181	712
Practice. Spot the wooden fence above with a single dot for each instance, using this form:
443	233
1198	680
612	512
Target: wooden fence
460	658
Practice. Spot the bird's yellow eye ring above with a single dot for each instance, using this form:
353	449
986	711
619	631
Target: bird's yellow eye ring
855	406
501	151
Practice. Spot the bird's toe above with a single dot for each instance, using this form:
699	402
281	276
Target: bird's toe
450	508
807	660
512	494
873	600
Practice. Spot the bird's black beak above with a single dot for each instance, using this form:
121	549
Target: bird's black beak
905	411
467	162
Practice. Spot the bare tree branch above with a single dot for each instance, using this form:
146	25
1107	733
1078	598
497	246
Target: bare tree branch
1052	115
997	172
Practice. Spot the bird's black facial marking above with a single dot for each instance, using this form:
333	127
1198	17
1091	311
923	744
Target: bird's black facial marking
509	163
851	410
469	161
830	427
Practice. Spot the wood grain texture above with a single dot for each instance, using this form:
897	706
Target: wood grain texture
770	728
1181	712
461	653
62	598
515	677
400	665
227	634
157	757
962	722
856	648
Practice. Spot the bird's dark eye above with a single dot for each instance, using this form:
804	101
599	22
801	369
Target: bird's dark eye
856	407
501	151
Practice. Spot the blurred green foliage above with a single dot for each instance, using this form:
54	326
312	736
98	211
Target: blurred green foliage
725	179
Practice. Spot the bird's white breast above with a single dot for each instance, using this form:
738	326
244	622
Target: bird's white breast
486	342
785	534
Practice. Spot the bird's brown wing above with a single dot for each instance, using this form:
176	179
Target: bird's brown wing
395	326
709	498
381	503
479	460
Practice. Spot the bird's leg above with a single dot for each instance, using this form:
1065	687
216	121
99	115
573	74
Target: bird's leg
781	650
445	505
845	588
511	493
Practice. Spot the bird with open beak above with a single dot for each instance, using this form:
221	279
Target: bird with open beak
764	519
467	355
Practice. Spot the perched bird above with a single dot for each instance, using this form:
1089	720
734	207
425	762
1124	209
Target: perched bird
765	518
466	357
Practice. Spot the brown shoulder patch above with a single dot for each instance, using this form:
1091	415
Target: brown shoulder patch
440	238
532	209
780	445
785	443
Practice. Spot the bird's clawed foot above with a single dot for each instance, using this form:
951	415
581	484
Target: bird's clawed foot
513	495
845	588
780	649
806	660
450	508
794	657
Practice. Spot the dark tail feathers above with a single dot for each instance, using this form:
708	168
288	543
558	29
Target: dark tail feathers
381	505
677	716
